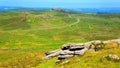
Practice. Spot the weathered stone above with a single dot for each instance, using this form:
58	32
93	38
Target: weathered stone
72	49
65	62
80	52
105	42
73	46
58	61
97	42
76	47
111	57
95	45
50	52
52	55
92	48
65	47
87	45
66	52
60	57
116	40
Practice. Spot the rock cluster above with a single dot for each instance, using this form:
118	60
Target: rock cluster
111	57
72	49
60	9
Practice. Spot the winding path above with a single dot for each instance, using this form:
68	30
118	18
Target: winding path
61	27
78	20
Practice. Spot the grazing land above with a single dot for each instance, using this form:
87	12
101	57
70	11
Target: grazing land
25	35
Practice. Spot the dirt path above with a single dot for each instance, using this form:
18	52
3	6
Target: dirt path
78	20
61	27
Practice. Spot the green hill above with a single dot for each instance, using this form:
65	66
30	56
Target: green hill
26	35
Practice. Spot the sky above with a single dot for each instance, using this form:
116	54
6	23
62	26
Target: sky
61	3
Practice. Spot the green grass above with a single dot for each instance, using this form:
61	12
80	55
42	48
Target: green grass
29	31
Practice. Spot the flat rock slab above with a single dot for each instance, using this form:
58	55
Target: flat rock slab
72	49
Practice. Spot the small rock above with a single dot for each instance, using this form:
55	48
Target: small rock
65	62
57	61
112	57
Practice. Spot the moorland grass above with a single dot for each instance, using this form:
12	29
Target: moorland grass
22	35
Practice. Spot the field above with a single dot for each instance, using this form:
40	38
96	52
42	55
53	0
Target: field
25	35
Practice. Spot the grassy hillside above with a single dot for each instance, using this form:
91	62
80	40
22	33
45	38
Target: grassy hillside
26	35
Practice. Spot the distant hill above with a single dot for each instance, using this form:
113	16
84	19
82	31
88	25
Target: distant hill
112	9
116	9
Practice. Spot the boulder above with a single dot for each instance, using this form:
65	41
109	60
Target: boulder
96	45
65	47
73	46
115	40
72	49
50	52
76	47
87	45
66	52
111	57
60	57
92	48
80	52
57	61
52	55
97	42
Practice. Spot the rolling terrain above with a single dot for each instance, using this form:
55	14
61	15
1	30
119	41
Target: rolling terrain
26	34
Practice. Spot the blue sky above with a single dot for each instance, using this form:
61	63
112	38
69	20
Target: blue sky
61	3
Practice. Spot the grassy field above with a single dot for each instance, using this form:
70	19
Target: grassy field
26	34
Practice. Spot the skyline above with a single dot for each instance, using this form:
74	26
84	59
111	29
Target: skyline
61	3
